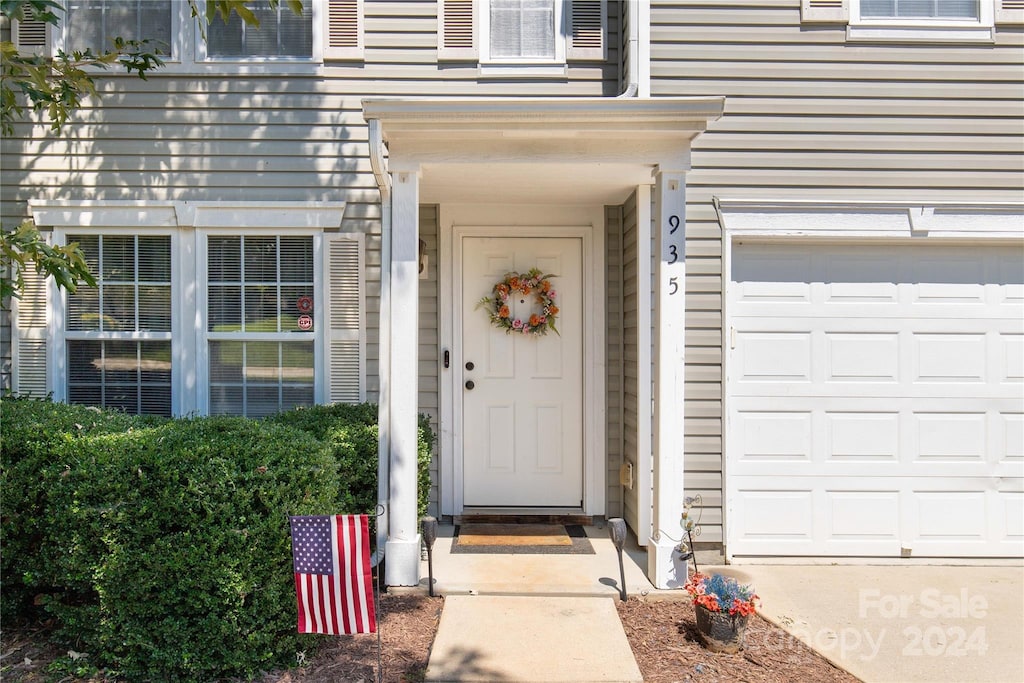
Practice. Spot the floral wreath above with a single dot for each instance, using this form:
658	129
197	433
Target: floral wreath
532	281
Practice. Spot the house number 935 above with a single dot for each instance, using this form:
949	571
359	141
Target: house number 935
673	254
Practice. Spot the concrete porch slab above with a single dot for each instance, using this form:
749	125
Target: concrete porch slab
529	574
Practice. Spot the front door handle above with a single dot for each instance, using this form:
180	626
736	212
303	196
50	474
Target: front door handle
470	385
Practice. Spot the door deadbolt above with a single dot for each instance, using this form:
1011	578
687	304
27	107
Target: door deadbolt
469	365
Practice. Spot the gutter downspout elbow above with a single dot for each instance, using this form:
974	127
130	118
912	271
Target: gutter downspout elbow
379	165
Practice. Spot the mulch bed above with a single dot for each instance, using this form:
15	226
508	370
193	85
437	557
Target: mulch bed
662	634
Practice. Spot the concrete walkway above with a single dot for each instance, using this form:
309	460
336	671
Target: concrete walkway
881	623
528	638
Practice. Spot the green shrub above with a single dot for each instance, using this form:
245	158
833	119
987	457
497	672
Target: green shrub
31	431
172	544
161	546
351	432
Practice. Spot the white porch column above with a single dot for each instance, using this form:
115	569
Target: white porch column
664	568
402	551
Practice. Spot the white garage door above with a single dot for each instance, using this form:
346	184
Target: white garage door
875	400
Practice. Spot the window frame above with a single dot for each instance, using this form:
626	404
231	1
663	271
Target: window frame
317	10
560	40
183	221
58	335
180	18
204	336
188	47
922	29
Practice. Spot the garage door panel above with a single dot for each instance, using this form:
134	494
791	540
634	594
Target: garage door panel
1011	353
883	387
859	516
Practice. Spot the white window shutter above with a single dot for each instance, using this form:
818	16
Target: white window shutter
345	318
457	31
31	37
587	30
343	30
824	11
1009	12
28	360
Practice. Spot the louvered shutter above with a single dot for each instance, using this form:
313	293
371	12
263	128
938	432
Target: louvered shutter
343	30
346	336
824	11
456	31
29	348
587	28
31	37
1009	12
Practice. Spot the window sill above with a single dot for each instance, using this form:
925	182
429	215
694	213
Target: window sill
553	71
920	34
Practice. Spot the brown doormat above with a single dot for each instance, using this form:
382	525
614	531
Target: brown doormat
524	539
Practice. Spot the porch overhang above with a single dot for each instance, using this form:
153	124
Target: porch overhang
539	150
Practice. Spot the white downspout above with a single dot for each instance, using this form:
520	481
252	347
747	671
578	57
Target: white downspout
633	52
379	165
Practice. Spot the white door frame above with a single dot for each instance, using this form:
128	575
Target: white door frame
485	221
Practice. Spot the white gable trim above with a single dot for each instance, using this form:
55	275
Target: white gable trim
151	214
865	220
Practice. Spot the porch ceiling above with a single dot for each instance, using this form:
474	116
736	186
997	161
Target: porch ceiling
546	151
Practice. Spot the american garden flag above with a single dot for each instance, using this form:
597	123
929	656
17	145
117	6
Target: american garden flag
332	574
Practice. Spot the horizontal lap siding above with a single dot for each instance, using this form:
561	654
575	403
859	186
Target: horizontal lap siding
808	116
207	136
613	358
631	359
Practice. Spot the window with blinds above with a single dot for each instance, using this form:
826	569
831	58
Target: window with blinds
118	335
281	33
920	9
522	29
260	326
95	23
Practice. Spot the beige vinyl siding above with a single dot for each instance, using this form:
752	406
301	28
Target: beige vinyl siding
429	386
613	358
204	135
810	116
631	355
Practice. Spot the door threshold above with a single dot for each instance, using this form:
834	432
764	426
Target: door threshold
528	515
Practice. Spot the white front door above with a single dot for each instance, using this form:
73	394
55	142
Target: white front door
522	395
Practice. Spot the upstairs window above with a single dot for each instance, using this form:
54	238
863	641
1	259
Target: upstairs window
957	10
281	33
536	34
95	23
522	29
326	30
923	21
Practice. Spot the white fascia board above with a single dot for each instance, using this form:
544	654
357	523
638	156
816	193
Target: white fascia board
322	215
207	214
106	214
495	113
769	218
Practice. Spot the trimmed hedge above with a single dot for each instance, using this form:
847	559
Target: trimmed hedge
32	432
351	431
162	547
